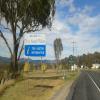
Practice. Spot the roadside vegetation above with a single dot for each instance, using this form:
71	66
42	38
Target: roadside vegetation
34	86
85	59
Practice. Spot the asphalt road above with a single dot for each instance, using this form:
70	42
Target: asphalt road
87	87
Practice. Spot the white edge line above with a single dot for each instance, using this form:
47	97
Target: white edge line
94	82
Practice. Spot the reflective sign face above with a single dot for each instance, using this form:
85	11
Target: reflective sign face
34	45
35	50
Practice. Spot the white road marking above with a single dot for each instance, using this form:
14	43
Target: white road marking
94	83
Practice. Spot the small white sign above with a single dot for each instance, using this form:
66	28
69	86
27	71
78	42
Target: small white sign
33	38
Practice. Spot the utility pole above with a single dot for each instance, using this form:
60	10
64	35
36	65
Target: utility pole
73	43
73	46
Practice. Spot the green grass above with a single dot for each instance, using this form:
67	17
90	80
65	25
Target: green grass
72	75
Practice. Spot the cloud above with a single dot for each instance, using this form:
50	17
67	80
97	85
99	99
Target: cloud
67	3
86	36
87	27
3	48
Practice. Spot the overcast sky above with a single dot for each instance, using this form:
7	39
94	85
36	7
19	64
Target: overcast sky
75	20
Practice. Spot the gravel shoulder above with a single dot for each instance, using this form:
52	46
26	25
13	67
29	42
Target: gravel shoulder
63	92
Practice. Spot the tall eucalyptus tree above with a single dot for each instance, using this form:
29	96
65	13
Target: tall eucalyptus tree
23	16
58	48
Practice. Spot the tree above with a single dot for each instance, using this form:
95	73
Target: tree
23	16
71	60
58	48
89	59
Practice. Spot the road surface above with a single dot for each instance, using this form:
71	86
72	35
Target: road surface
87	87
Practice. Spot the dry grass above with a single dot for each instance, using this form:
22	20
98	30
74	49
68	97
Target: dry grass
6	85
37	89
39	73
32	90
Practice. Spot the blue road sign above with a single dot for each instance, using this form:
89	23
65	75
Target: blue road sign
35	50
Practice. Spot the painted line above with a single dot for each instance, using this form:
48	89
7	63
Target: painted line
94	83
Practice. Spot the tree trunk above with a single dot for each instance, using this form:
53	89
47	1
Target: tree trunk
14	65
15	62
15	51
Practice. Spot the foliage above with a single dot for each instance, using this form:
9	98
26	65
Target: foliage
43	67
58	48
86	60
89	59
23	16
26	67
27	12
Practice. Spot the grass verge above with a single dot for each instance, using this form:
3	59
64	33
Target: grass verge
37	89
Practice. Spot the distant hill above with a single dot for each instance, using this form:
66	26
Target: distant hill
22	60
4	59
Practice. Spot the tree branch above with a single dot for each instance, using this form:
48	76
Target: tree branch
35	28
18	26
31	30
1	34
21	51
5	27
